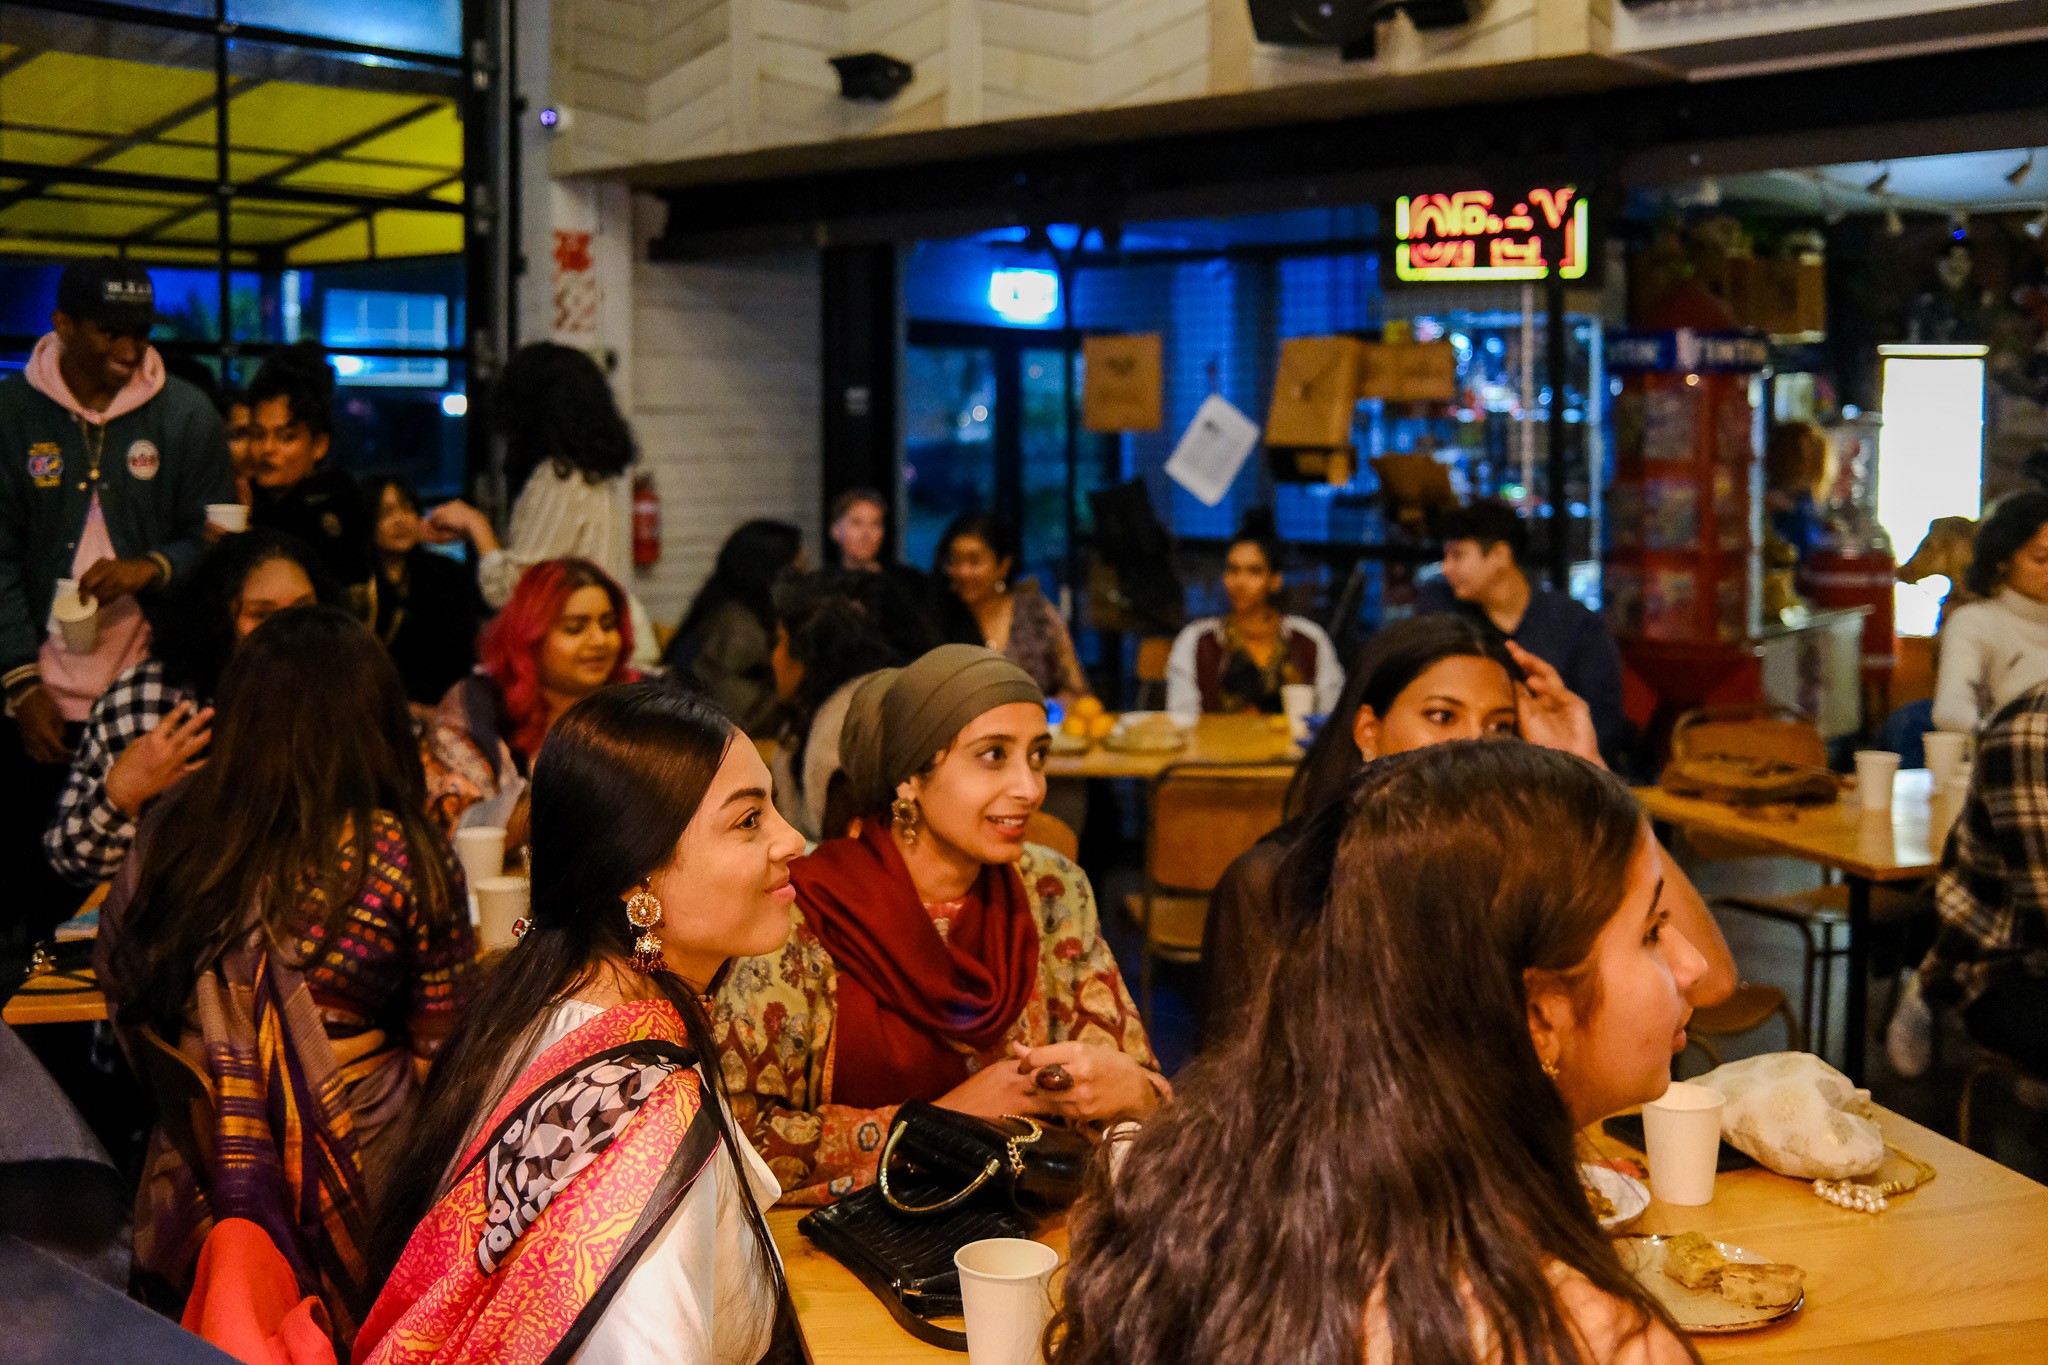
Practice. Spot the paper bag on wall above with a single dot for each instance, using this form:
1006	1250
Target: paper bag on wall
1120	387
1315	392
1409	371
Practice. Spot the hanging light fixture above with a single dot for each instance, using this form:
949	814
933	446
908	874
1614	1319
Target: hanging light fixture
1894	225
2036	225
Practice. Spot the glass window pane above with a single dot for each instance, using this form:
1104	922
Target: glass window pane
949	425
410	25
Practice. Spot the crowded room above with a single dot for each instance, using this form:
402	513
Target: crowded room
1057	682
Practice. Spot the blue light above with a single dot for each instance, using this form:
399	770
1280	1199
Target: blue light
1024	295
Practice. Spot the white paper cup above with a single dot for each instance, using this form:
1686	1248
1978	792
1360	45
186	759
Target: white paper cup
1875	769
501	902
1682	1135
1298	700
482	850
227	516
1006	1291
1944	756
77	617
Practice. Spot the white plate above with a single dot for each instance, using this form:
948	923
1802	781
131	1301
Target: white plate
1697	1311
1064	743
1629	1195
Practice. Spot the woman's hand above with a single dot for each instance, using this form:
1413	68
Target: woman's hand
453	521
995	1090
1103	1083
151	765
1551	714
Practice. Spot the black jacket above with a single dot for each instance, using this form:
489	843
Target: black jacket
429	621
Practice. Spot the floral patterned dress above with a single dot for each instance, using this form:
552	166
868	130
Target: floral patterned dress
776	1022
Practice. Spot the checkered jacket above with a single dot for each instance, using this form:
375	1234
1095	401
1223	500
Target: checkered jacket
89	837
1992	891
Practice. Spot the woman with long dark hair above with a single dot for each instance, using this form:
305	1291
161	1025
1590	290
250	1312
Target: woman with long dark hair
299	489
151	727
977	560
937	954
428	609
575	1118
726	639
565	633
1387	1173
1239	661
1427	680
1995	649
292	924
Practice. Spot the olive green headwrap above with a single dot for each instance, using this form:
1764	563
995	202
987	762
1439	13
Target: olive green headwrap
900	717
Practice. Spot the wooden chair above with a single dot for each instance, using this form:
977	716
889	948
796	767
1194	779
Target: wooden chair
1153	651
1203	815
185	1101
1054	833
1749	1008
1778	732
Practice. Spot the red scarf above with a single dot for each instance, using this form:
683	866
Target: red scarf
913	1006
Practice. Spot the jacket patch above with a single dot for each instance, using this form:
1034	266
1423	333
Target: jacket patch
143	460
46	464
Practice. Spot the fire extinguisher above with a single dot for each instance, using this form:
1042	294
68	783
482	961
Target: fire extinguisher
646	520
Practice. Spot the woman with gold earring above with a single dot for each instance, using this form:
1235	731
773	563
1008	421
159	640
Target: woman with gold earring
576	1115
937	955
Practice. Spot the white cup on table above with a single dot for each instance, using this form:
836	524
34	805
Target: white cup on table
231	517
482	851
77	617
1945	749
1682	1139
1006	1293
1298	700
501	902
1875	769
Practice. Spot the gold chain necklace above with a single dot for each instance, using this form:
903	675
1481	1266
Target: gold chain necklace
93	452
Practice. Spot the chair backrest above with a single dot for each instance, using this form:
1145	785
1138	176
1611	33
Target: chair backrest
1153	652
1204	815
184	1098
1053	833
1758	731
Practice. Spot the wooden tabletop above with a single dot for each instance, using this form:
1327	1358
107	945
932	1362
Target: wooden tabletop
61	997
1954	1272
1215	739
1903	844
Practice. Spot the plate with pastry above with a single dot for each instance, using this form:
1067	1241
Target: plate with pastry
1617	1199
1713	1286
1146	732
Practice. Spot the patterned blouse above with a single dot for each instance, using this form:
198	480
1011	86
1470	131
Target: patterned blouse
775	1021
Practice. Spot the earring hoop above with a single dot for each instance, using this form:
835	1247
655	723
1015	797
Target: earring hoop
904	817
643	912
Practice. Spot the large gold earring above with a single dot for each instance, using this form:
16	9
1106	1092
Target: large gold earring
643	912
904	817
1549	1067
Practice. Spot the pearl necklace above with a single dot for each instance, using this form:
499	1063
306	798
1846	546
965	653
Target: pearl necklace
1858	1198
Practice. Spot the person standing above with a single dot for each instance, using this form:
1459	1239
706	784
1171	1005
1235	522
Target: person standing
1486	549
299	491
107	464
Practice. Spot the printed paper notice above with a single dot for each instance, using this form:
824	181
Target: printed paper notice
1212	450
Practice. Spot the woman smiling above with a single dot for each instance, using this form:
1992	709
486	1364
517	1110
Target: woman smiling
936	955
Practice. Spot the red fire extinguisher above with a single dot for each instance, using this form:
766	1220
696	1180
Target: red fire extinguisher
646	520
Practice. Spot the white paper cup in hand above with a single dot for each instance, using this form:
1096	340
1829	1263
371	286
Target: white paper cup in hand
77	617
227	516
1944	756
482	850
1298	700
501	902
1682	1138
1875	769
1006	1291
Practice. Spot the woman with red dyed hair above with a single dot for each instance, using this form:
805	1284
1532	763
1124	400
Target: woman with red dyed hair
565	633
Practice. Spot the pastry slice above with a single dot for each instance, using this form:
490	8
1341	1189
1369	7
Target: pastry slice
1694	1261
1762	1286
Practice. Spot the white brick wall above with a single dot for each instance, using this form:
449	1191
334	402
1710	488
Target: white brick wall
725	403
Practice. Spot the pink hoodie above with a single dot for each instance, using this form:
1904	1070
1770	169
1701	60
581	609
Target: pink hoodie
46	379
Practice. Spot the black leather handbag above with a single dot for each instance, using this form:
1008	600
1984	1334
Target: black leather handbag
946	1179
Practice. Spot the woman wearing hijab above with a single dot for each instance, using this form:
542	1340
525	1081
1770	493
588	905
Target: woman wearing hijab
935	954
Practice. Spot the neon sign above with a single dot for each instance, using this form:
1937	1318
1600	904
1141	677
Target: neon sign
1464	237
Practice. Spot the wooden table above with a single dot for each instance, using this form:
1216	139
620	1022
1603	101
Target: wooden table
61	997
1899	845
1237	740
1955	1272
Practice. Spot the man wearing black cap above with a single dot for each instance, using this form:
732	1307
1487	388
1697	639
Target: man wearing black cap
106	468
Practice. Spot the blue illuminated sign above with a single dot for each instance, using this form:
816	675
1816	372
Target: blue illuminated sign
1024	295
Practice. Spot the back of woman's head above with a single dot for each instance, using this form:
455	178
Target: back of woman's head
986	527
299	374
509	648
2013	520
312	740
752	558
197	628
615	784
1387	663
553	403
837	631
1382	1127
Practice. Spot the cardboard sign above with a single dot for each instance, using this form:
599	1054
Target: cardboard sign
1315	392
1409	371
1120	385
